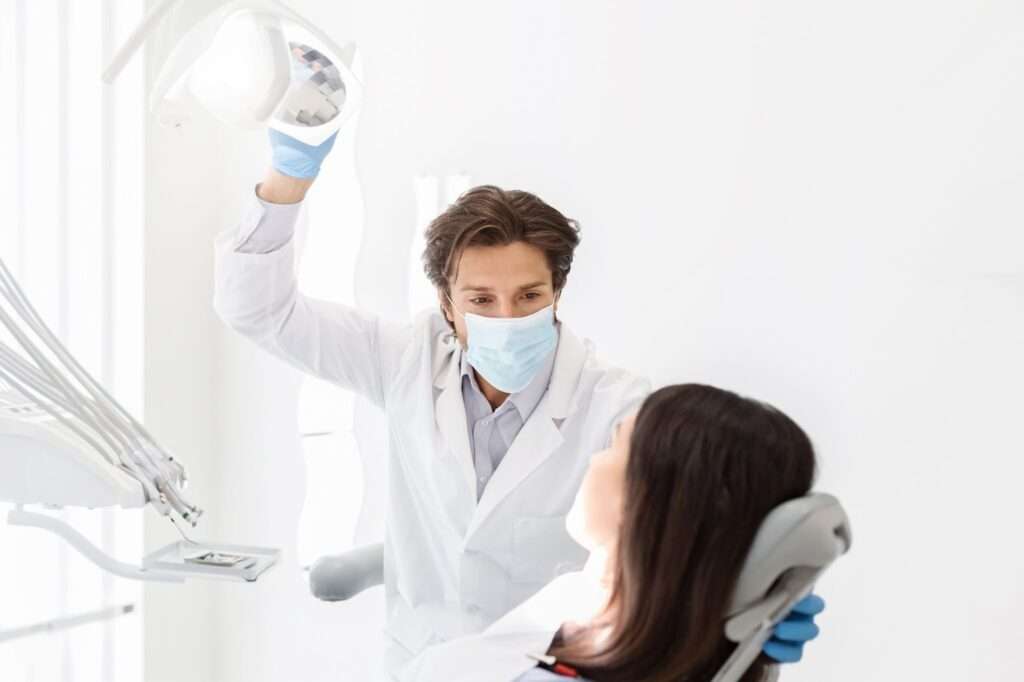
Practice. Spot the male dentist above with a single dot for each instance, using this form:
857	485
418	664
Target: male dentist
494	405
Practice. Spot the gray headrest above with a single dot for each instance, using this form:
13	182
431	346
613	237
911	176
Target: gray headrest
795	543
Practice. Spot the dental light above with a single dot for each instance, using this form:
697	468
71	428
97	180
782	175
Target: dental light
250	63
66	442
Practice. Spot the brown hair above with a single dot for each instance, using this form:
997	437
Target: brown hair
705	468
490	216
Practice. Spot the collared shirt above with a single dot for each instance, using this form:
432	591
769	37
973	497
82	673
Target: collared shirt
491	432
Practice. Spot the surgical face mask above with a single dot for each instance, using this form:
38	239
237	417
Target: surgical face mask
509	351
251	64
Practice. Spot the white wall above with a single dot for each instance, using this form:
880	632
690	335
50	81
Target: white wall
180	379
815	204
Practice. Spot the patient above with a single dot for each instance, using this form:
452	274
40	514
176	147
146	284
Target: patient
668	512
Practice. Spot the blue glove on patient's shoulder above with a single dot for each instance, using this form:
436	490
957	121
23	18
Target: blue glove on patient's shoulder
297	159
787	642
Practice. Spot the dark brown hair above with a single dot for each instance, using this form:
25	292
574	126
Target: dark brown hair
490	216
705	468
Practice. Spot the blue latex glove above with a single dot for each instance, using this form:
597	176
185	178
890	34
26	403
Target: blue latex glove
297	159
787	642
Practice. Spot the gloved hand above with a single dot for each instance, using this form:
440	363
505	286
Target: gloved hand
297	159
787	642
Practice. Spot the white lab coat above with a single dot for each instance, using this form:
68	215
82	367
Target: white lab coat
452	564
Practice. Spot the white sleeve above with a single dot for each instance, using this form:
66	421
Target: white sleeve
257	295
266	226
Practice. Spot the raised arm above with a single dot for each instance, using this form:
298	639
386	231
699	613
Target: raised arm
256	289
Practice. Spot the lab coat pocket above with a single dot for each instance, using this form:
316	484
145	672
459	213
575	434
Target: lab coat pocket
543	550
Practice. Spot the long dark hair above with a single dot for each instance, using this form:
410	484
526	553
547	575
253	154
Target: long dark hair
705	468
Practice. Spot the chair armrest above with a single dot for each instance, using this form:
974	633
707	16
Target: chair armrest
342	576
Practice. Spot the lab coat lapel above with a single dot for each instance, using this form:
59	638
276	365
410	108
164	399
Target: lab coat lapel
451	420
540	435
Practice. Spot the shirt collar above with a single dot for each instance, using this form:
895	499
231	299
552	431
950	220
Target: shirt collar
526	400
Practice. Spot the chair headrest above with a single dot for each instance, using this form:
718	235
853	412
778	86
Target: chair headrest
796	542
805	533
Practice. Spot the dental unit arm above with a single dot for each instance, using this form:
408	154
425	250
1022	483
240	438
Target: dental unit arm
793	547
66	442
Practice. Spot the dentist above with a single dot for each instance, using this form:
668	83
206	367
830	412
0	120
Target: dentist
493	403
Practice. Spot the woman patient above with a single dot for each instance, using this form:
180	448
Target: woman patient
668	513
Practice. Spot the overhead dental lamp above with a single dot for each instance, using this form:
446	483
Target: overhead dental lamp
66	442
252	64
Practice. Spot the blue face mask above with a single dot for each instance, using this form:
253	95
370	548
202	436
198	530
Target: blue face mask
509	351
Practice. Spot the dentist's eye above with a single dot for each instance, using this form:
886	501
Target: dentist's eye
479	301
532	295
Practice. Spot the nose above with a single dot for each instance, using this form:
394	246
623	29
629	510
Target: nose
507	308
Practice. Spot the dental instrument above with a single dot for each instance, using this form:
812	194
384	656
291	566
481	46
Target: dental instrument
66	442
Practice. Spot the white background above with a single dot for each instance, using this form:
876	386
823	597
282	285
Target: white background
816	204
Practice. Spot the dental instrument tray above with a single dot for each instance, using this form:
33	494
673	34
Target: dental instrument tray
230	562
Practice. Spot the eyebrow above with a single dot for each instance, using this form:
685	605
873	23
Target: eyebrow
531	285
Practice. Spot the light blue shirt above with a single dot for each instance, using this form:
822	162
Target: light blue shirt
491	432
